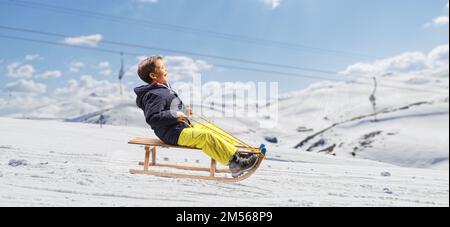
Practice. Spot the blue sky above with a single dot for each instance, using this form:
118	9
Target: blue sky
365	30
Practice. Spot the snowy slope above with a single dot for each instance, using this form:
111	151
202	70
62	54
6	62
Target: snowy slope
50	163
412	128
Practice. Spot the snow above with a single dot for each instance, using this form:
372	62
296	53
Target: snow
416	136
56	154
76	164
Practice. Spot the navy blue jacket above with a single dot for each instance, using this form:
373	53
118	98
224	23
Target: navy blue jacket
160	105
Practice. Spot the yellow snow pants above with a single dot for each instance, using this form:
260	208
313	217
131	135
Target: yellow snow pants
219	146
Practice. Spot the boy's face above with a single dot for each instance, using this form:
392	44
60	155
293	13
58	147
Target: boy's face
160	74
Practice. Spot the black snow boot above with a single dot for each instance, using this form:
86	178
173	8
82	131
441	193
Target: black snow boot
240	163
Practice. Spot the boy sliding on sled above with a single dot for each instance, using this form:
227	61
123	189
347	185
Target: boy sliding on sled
167	115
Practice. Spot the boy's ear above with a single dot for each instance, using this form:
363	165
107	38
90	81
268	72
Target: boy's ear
152	76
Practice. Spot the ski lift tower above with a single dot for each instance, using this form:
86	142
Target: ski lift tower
373	99
9	95
121	73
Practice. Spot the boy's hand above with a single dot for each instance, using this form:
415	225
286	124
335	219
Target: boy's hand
181	116
189	111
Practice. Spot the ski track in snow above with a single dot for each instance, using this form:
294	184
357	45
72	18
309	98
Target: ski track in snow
73	164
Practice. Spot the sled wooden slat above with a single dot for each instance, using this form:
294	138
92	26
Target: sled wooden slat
191	168
150	161
183	176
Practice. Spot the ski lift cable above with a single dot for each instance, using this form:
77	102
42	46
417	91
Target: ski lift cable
142	54
123	44
184	29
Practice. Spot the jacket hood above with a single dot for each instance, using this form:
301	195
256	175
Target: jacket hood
141	91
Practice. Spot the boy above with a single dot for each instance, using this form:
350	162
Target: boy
167	115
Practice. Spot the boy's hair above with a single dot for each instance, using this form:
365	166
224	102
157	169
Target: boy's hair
146	67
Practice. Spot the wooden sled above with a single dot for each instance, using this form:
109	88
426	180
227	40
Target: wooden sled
150	161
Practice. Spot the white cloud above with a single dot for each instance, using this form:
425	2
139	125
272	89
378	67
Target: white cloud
76	98
87	95
32	57
20	104
50	74
272	3
439	21
76	66
443	20
105	68
72	86
16	70
26	86
88	86
148	1
410	62
438	58
89	40
181	67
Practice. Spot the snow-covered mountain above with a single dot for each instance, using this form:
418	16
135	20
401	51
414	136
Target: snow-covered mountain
410	129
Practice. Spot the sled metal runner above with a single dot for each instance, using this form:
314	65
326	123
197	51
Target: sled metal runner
151	146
